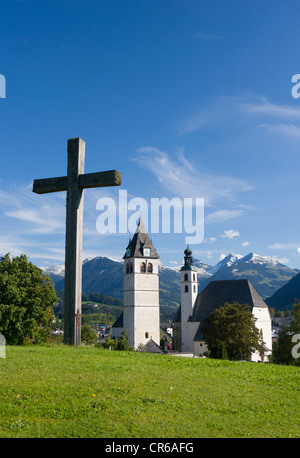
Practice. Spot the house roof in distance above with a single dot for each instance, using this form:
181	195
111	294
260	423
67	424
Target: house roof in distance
140	241
152	347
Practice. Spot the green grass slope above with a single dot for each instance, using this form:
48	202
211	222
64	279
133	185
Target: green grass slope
67	392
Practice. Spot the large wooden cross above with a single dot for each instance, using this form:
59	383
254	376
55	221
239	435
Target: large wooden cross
74	183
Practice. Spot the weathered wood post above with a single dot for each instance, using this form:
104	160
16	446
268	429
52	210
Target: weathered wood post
73	248
74	183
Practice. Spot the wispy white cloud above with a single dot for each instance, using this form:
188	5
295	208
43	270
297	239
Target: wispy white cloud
270	109
35	224
223	215
282	260
220	112
183	179
284	246
268	114
245	243
32	224
243	113
43	221
289	247
43	214
17	243
287	130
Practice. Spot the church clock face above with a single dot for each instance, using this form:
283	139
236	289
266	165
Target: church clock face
147	252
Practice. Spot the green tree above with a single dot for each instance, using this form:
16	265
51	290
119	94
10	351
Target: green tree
122	343
282	348
26	299
233	327
110	344
218	351
88	335
296	317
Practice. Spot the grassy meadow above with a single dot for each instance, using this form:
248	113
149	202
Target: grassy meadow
66	392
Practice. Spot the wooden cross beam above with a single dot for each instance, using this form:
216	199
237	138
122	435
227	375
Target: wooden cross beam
74	183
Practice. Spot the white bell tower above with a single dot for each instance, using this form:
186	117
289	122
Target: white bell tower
189	292
141	290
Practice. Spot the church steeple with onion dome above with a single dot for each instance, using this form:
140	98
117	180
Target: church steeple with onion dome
188	260
189	292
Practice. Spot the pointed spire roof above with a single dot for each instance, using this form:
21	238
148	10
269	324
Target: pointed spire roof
139	241
128	246
141	227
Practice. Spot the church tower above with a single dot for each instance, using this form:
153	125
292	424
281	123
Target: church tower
141	290
189	292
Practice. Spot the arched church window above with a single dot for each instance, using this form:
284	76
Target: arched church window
143	267
127	268
149	268
186	277
194	288
146	335
194	277
131	267
186	289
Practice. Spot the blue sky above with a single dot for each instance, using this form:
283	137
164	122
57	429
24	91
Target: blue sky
185	98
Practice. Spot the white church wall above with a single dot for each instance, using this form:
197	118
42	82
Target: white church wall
189	291
146	325
141	300
264	324
190	329
141	280
144	299
128	282
186	346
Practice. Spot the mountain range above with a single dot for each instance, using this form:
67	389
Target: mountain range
105	275
264	273
285	297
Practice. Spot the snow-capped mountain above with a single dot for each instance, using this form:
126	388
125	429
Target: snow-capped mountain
266	274
105	276
227	261
204	270
257	259
56	273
